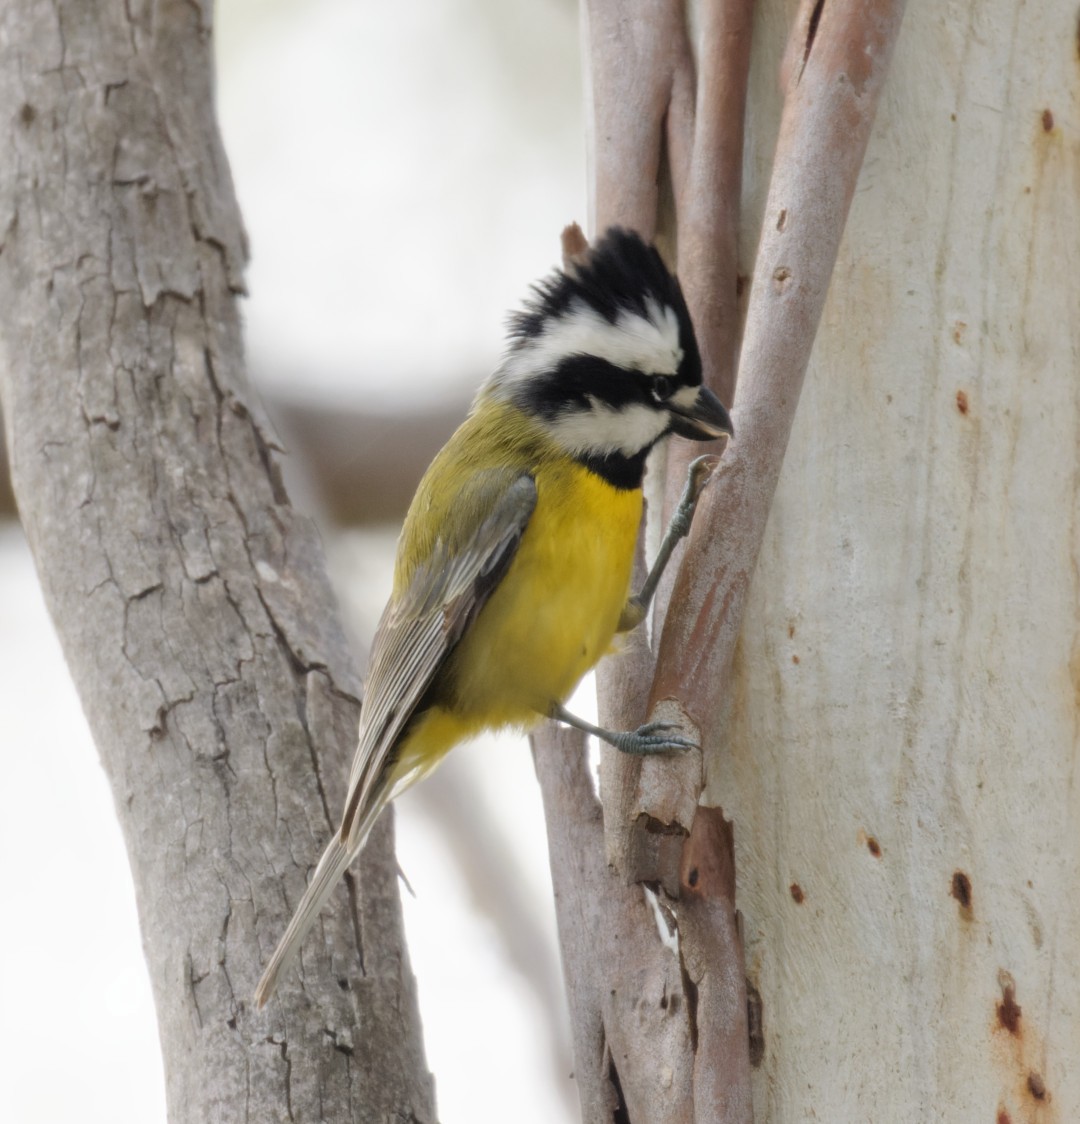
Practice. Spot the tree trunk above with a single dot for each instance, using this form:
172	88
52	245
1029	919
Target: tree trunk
889	704
191	600
900	754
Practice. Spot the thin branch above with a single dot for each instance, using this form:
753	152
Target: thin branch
638	793
823	134
628	1005
634	53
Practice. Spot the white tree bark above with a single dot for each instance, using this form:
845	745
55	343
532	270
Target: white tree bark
901	754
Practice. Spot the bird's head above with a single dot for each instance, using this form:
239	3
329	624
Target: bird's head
604	357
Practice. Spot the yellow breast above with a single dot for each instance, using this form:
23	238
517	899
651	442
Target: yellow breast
555	612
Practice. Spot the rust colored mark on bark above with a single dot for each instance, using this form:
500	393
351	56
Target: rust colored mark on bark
1008	1010
961	890
781	277
708	857
873	846
962	401
794	659
797	894
791	631
1048	120
959	328
1003	1117
1036	1086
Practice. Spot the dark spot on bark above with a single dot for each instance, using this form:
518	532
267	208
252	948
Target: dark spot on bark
621	1115
781	220
755	1024
692	877
663	1002
1036	1086
1003	1117
740	284
952	116
781	277
27	115
797	894
961	889
1008	1010
811	28
690	989
657	827
794	659
343	983
962	401
874	847
1048	120
231	1023
791	631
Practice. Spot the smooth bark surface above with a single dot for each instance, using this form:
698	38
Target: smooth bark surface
901	754
191	600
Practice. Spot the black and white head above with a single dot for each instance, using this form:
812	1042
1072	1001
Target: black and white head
604	357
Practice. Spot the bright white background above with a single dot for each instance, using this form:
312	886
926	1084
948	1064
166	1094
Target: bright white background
404	171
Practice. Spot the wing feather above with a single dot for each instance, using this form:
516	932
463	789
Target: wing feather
419	630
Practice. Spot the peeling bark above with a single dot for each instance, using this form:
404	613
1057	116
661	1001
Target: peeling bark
190	598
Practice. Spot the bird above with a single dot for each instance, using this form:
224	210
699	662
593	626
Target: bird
513	569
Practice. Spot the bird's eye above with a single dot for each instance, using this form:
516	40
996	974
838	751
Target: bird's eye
663	387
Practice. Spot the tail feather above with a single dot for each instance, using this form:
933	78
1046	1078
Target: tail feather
333	864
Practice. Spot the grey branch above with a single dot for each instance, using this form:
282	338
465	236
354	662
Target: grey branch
190	597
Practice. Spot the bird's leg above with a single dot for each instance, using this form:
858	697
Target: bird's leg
653	737
635	609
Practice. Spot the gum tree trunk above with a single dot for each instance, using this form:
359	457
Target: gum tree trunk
190	598
886	672
900	756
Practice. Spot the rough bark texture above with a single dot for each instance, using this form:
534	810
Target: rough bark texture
191	600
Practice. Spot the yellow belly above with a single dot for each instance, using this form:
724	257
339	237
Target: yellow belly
554	614
548	622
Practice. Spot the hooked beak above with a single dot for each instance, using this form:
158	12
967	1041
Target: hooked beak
703	420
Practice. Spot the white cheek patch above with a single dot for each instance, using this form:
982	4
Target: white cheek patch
603	429
647	343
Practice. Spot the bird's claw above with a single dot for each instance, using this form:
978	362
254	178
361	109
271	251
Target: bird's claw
697	476
652	738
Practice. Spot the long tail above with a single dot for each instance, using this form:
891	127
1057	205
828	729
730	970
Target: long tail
333	864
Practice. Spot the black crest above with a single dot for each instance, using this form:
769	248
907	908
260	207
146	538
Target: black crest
619	272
